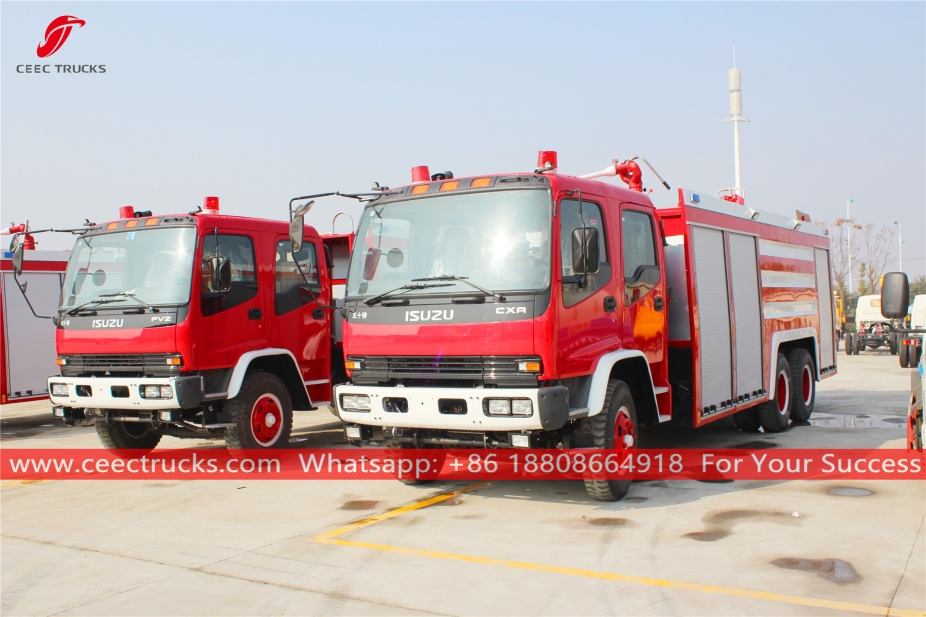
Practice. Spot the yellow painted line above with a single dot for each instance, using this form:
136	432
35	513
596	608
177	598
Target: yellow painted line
332	538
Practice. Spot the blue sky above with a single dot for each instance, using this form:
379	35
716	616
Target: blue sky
259	102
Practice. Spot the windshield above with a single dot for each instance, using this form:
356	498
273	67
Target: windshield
499	240
156	265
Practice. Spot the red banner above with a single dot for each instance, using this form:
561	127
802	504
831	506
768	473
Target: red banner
441	464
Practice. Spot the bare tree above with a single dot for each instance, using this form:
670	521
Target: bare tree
877	245
840	252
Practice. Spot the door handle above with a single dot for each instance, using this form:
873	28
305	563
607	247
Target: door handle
318	313
658	303
610	305
255	314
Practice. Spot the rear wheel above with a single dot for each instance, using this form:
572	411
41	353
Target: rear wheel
904	355
747	420
128	435
847	345
615	428
262	413
775	415
803	384
855	345
913	356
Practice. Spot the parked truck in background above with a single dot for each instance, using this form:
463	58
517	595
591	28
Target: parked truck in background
194	325
873	329
541	309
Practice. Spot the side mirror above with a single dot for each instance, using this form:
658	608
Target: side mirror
18	259
221	274
895	295
296	231
585	250
371	263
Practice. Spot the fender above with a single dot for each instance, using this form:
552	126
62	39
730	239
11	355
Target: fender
234	384
783	337
599	386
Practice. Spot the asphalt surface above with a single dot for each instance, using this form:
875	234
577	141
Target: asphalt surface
519	548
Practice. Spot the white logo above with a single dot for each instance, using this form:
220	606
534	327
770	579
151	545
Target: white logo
434	315
506	310
107	323
162	318
358	314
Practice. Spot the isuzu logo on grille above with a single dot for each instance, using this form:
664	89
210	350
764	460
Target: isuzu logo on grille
432	315
108	323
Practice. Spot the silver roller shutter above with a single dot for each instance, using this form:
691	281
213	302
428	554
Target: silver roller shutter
825	302
746	314
30	351
713	317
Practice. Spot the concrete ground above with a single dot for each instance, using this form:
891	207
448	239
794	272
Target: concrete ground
528	548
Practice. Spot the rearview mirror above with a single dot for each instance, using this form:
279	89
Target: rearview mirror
895	295
296	231
18	259
585	250
371	263
221	274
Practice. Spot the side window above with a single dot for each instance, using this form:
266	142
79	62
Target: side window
290	291
239	250
641	270
577	287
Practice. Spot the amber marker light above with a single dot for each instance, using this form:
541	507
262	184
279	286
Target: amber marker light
450	186
480	183
421	188
151	222
112	225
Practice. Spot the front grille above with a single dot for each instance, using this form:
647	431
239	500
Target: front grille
444	370
118	365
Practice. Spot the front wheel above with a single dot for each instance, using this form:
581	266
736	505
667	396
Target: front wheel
128	436
615	428
775	415
847	345
855	345
904	355
262	413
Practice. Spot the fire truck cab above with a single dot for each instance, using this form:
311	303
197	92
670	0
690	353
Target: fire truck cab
196	324
541	309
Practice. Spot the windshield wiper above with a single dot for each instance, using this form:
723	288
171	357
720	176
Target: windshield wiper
74	311
463	279
131	294
403	289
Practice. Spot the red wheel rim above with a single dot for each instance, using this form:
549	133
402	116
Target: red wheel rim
782	393
267	420
807	385
624	428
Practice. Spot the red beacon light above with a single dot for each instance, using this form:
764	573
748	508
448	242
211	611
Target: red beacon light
211	205
127	212
546	160
421	174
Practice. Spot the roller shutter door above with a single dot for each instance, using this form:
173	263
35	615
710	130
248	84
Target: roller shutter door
825	302
30	342
747	315
713	318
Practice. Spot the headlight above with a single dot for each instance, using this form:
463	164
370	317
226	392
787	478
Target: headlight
355	402
59	389
521	407
499	407
166	392
151	391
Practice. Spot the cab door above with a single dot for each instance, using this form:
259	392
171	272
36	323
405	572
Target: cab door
233	322
299	325
589	323
643	288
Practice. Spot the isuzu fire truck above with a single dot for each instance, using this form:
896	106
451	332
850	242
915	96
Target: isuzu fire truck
541	309
194	325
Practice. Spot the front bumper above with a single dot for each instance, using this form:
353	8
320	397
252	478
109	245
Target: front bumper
123	392
550	408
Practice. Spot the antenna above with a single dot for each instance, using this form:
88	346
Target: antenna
736	116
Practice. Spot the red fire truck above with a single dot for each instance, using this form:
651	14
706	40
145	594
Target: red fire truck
196	324
540	309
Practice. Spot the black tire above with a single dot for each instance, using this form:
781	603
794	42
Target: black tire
892	343
913	356
803	384
261	397
904	355
139	436
408	481
618	408
747	420
855	345
775	415
848	344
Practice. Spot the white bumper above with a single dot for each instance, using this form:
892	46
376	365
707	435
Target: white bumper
550	408
101	392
